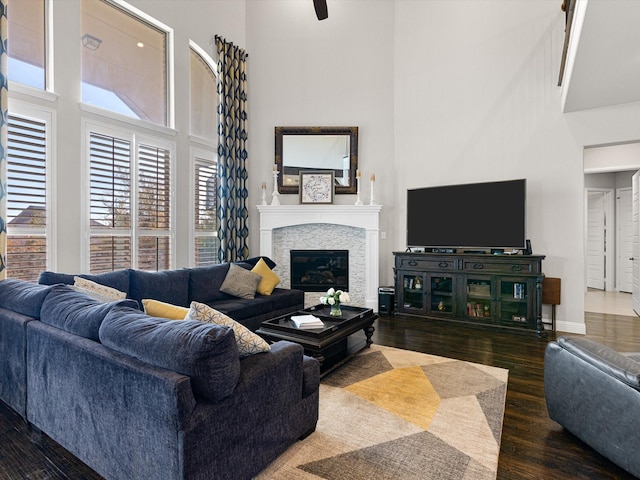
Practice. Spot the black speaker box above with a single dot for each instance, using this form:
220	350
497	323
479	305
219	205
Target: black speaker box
386	300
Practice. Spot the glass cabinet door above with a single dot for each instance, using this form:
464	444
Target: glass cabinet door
479	297
441	294
514	295
413	291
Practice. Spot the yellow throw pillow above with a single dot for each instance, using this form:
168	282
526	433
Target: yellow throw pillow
248	342
269	279
156	308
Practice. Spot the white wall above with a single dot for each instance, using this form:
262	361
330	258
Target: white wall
337	72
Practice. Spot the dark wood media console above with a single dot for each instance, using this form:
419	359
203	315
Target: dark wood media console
491	290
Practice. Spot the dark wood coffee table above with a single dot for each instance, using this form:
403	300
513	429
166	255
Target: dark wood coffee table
329	343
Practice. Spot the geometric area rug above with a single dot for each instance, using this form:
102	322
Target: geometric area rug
395	414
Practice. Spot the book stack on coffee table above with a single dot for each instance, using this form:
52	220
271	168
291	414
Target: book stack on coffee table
306	322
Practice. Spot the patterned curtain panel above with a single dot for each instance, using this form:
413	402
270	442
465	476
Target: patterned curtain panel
232	152
4	112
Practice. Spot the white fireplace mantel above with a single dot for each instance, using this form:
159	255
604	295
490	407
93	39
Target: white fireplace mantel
357	216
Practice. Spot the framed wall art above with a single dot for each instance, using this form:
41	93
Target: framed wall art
316	186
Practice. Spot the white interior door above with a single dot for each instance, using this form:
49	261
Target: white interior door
635	208
596	224
624	240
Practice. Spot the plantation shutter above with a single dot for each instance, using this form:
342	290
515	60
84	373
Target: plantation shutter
205	230
154	208
130	204
109	203
26	198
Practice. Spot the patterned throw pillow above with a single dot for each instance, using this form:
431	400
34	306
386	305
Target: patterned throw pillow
240	282
101	293
248	342
269	279
156	308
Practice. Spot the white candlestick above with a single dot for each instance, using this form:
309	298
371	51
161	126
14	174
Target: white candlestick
275	200
264	193
358	201
372	199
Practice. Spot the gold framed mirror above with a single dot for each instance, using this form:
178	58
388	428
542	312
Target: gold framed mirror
330	149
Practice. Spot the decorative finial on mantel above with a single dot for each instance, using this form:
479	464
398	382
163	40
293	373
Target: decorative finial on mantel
275	200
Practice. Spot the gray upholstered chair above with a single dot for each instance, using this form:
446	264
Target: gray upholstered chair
594	393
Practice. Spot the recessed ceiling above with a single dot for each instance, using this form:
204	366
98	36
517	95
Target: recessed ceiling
605	66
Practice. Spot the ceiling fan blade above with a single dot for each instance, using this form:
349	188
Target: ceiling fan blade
321	9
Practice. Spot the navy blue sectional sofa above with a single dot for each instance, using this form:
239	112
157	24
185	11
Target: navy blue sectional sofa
200	284
140	397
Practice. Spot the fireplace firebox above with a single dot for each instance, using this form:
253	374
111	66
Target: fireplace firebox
318	270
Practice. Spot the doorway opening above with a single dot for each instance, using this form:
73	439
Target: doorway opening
609	258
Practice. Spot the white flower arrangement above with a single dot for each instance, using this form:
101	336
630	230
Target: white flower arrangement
333	297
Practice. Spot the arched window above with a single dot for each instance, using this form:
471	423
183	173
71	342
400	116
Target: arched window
203	128
202	94
124	62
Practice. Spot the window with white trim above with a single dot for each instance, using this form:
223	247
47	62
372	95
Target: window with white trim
205	223
27	152
130	202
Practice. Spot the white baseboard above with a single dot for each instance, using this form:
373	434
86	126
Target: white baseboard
571	327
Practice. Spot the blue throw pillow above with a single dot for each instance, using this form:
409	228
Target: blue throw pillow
207	353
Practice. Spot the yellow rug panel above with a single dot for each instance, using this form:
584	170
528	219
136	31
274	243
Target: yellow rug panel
405	392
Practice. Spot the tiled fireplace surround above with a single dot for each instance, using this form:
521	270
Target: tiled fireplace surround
325	227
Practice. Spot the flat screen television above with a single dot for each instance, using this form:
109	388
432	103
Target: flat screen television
487	215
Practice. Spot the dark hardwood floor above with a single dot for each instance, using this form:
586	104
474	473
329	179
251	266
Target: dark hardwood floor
533	446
